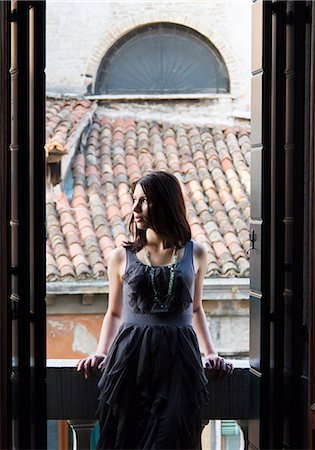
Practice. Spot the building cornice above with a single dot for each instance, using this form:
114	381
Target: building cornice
213	288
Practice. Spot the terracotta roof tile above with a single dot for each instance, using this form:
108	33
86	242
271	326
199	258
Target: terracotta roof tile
63	119
243	265
212	165
51	265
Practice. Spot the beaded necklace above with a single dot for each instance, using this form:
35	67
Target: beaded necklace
163	305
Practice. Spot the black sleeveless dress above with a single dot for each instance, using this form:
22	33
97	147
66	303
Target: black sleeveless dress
153	384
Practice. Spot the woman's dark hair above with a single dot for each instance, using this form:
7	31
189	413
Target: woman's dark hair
166	211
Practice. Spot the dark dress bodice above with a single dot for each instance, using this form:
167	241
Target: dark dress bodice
138	300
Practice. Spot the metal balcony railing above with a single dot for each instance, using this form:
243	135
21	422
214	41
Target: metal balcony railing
73	398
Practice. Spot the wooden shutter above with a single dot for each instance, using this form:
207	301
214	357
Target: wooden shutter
311	315
279	203
4	229
260	221
27	199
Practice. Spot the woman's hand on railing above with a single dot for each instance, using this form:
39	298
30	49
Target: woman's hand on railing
90	365
218	366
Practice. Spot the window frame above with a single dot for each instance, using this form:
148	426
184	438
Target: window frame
104	67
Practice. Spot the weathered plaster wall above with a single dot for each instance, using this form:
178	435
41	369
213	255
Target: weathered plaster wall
71	336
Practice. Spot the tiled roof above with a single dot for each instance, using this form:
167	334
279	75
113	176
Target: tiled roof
212	165
62	120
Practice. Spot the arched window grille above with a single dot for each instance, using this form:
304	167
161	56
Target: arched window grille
162	59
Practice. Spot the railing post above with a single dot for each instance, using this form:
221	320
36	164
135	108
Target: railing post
243	424
81	432
205	435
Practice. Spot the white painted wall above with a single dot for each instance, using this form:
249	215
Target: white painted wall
80	33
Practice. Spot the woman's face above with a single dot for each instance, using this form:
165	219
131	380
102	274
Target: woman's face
140	208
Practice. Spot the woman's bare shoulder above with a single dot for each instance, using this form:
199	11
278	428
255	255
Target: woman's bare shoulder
199	256
117	260
199	249
118	255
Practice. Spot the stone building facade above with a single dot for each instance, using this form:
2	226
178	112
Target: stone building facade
79	36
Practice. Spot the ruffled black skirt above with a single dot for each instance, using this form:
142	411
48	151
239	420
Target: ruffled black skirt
152	389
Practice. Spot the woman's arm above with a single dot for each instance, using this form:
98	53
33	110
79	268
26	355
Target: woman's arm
112	318
200	324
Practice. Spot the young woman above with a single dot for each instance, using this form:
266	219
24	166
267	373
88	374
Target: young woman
153	383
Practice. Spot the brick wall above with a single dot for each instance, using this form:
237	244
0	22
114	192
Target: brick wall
80	33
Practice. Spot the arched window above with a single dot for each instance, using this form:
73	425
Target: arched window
160	59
